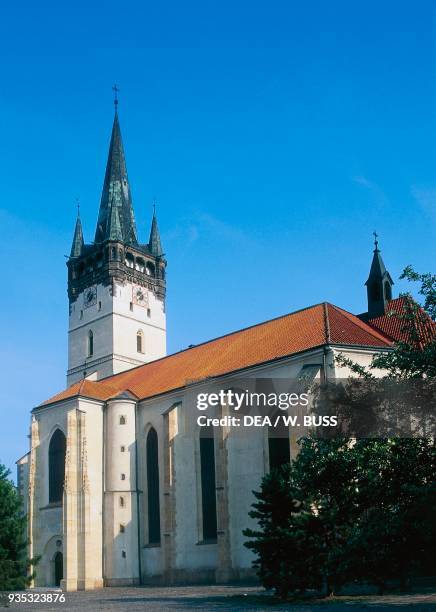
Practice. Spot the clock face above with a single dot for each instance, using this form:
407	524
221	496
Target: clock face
140	296
90	297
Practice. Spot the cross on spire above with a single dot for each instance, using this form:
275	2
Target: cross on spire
78	206
115	90
374	233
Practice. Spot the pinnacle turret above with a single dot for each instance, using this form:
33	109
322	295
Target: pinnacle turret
154	243
77	246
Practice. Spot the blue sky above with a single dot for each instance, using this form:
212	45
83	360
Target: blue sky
275	137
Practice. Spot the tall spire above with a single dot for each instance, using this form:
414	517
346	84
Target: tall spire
379	284
154	243
77	246
116	193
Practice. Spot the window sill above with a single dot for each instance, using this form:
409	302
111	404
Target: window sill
52	505
206	542
154	545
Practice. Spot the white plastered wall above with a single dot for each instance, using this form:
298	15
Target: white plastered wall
114	320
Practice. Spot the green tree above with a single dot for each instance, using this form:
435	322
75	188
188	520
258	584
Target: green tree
13	562
286	541
394	534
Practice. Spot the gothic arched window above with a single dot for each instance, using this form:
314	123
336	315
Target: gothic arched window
140	341
90	343
56	466
208	489
153	505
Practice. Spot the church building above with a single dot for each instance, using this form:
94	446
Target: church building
121	486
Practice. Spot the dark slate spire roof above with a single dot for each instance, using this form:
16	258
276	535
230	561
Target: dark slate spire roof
378	269
113	228
115	219
378	285
154	244
77	246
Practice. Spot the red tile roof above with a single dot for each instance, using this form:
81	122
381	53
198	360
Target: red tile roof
395	327
287	335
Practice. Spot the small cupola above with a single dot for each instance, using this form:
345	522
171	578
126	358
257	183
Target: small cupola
379	284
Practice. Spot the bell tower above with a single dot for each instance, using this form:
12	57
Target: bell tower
116	284
379	285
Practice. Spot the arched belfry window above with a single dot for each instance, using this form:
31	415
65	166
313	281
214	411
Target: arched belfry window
56	466
90	343
375	291
388	291
153	505
149	269
140	341
208	487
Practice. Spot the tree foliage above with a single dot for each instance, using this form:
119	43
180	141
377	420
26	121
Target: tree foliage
345	511
14	564
356	509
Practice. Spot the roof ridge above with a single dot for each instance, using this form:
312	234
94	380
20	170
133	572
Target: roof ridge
326	322
362	324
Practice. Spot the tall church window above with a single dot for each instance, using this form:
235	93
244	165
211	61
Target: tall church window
56	466
208	487
278	446
90	343
153	505
140	341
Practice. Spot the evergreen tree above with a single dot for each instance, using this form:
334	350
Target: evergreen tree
13	562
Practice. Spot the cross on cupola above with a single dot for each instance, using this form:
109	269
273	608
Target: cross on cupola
374	233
